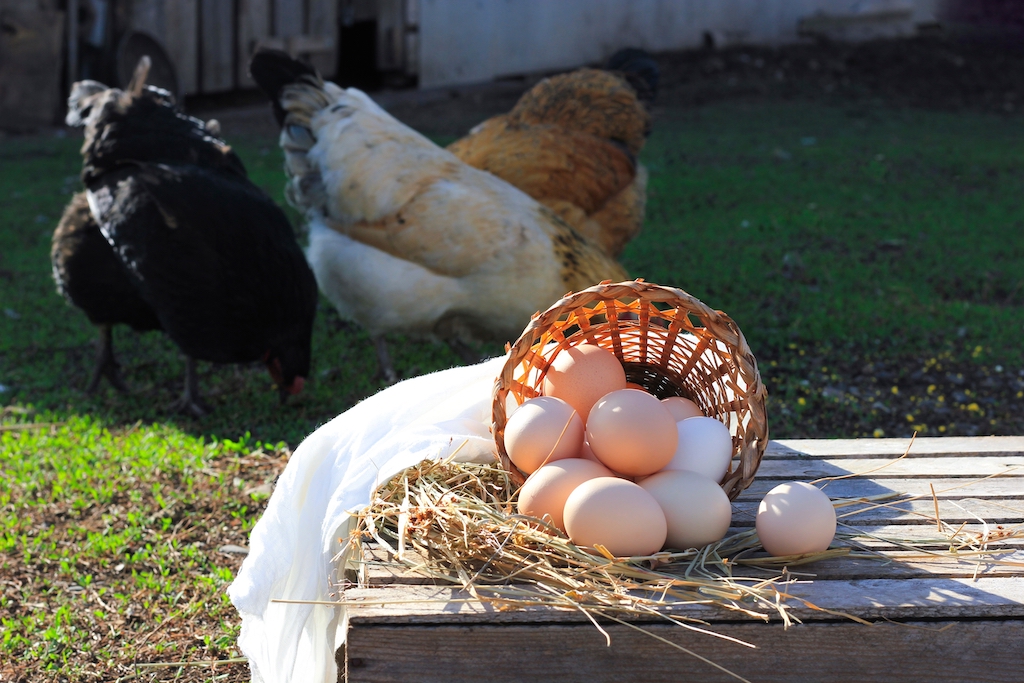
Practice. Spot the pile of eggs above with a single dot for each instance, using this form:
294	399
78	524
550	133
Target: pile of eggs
612	465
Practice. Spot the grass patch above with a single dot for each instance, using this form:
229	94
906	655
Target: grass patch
872	257
111	540
856	248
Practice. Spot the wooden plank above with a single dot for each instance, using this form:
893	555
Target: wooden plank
1009	486
967	466
253	29
218	45
893	448
182	42
893	565
904	599
924	534
913	653
31	56
900	565
920	511
323	31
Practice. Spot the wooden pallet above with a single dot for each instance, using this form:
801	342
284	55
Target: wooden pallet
932	618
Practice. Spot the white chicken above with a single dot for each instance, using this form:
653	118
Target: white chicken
403	236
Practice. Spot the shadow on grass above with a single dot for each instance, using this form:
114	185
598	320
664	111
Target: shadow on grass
243	397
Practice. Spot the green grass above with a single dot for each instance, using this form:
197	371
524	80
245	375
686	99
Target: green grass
108	536
877	272
808	224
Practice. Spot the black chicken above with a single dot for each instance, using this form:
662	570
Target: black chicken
193	241
90	276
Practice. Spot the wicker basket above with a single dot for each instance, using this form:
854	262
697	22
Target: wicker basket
669	343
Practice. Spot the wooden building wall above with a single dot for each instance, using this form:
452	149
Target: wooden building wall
210	41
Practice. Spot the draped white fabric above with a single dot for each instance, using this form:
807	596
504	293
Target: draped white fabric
331	475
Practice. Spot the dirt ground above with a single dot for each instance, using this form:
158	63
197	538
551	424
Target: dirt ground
929	72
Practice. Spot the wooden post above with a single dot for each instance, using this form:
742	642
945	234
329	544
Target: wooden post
72	42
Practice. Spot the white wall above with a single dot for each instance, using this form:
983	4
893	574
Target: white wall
470	41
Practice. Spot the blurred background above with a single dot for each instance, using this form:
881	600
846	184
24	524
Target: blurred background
842	177
202	47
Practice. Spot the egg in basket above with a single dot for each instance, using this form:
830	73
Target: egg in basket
624	394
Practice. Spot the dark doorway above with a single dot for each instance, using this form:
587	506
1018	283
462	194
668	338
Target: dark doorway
357	56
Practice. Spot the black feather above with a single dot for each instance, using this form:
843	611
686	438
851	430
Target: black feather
150	130
217	260
273	70
209	256
90	276
639	68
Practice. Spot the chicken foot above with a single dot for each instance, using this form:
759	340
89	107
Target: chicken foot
385	368
191	403
106	364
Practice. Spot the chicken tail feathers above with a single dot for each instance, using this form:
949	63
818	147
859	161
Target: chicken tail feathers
639	69
274	71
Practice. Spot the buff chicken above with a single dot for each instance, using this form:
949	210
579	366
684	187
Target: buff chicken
571	143
403	236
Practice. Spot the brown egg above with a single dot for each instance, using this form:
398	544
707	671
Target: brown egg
587	453
583	374
681	408
697	510
631	432
617	514
545	490
541	430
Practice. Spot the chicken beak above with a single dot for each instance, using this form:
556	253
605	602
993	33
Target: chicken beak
295	388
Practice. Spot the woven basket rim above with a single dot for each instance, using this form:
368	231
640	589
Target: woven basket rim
716	330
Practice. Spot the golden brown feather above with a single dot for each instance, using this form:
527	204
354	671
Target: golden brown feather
571	143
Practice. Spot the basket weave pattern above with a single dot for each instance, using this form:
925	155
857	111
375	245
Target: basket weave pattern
669	342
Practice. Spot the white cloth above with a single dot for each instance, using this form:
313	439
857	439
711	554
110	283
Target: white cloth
331	475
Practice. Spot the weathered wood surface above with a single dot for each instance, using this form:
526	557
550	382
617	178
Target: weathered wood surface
987	651
217	54
1003	487
253	29
899	599
31	55
935	617
890	448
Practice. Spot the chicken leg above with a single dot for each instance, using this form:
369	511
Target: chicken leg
106	364
191	403
386	369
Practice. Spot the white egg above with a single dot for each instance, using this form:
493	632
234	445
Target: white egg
704	446
697	510
795	519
